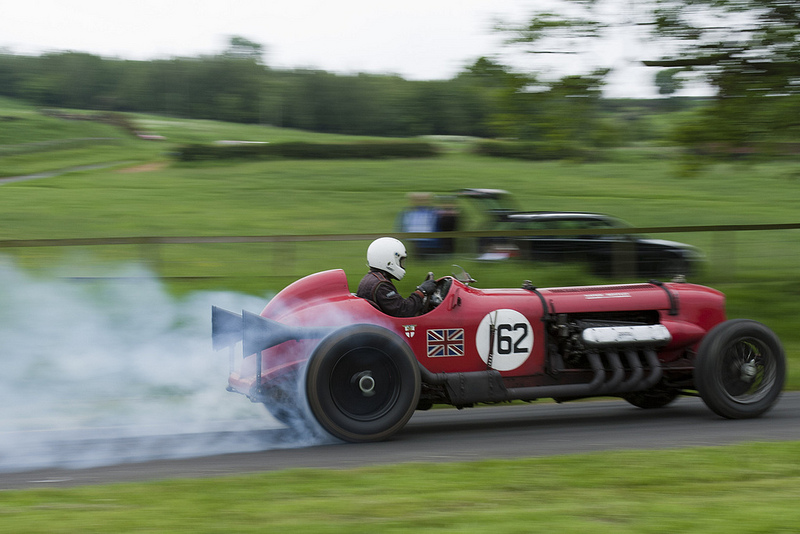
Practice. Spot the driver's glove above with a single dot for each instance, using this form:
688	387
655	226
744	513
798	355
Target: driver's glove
427	287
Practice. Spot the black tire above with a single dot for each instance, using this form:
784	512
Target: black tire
652	398
740	369
362	383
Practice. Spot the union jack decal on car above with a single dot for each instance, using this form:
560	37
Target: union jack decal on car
445	342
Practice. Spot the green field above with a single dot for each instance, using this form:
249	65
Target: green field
145	193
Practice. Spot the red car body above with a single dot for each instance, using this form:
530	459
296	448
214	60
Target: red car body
364	372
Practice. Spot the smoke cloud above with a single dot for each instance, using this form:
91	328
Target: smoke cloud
117	370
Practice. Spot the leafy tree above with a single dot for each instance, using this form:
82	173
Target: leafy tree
748	51
668	82
571	109
500	95
241	48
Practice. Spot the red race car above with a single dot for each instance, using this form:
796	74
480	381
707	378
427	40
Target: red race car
363	373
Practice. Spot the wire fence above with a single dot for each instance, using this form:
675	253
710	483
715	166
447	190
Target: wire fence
728	253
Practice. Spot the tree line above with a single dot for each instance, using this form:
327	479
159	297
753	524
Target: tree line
486	99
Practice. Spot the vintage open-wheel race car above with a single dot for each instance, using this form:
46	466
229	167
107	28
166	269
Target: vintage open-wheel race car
361	374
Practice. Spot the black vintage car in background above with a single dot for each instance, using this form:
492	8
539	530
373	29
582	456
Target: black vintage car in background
605	253
598	240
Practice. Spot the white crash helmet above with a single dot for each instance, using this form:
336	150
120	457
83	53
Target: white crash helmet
387	254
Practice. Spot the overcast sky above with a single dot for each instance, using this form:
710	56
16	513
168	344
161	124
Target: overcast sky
417	39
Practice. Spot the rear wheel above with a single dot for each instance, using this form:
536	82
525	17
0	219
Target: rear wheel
362	383
740	369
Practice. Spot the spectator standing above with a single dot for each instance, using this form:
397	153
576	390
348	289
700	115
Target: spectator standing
421	216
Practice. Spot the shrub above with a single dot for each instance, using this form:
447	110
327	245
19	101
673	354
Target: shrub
533	150
301	150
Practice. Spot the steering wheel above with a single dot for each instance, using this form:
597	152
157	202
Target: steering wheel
438	295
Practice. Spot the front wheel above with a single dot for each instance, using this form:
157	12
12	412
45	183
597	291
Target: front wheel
362	383
740	369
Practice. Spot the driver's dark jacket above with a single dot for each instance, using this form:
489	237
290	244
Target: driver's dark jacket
377	286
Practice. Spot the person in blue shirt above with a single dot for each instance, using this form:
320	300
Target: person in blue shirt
422	216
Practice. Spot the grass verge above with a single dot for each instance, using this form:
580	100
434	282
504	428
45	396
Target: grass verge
741	488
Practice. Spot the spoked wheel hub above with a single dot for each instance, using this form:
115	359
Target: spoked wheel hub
750	370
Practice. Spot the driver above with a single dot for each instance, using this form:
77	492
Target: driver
386	257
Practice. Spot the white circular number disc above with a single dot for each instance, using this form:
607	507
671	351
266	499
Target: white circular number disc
511	343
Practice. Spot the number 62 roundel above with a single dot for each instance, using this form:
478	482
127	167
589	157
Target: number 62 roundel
511	343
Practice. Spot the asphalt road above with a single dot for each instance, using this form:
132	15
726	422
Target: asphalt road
453	436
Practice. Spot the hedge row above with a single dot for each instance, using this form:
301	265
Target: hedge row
536	151
114	119
300	150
